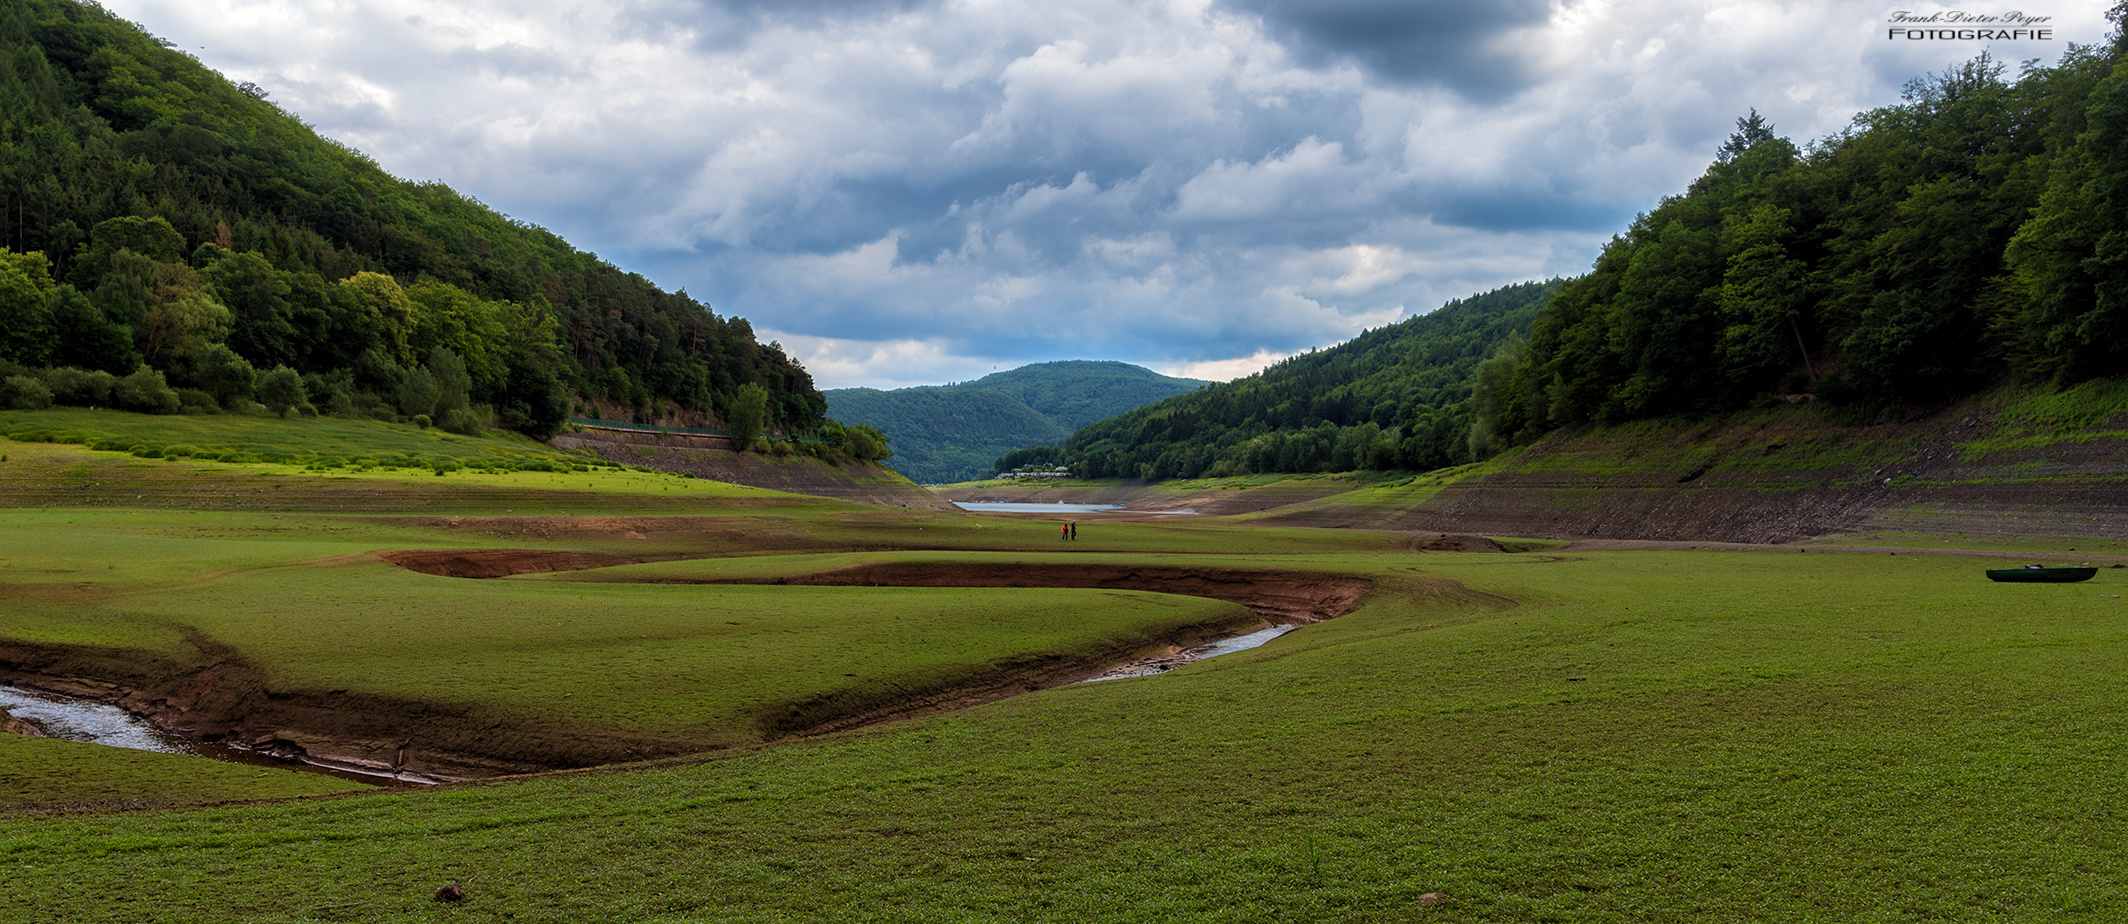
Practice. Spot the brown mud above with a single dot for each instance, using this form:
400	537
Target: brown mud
209	693
843	710
495	563
1454	542
11	724
1276	595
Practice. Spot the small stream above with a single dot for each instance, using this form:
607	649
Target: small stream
72	719
1162	665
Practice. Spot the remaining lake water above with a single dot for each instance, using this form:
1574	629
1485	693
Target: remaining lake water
1002	507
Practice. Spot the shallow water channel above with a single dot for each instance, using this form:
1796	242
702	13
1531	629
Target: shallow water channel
72	719
1162	665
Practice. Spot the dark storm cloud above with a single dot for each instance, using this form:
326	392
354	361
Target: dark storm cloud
1455	43
727	24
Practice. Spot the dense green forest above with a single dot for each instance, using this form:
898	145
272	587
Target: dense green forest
1395	397
1973	234
946	433
164	223
1077	392
943	434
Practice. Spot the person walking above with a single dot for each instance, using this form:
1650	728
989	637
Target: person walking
1064	531
1075	529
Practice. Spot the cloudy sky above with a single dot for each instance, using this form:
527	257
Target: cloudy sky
919	191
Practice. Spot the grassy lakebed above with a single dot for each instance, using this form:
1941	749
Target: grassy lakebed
1845	735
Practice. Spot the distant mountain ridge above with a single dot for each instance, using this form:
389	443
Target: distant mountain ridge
945	433
1402	396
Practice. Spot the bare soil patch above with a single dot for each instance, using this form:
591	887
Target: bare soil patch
10	724
1454	542
211	694
495	563
1276	595
846	710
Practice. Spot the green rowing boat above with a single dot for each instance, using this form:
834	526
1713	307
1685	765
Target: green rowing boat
2035	574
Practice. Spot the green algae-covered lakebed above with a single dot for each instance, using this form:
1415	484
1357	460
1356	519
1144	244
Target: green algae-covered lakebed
1545	735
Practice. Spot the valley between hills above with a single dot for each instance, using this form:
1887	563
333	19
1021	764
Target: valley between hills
463	575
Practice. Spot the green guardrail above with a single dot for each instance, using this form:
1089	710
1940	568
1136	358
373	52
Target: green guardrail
681	431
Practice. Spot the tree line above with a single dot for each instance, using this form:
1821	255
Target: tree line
1975	233
158	216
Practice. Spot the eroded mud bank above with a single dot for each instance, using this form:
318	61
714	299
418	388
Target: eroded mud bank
1277	595
210	692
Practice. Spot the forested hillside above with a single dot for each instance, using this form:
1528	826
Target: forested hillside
1975	233
945	433
1395	397
1074	393
159	217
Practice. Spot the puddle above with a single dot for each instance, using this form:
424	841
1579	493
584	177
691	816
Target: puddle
71	719
1162	665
